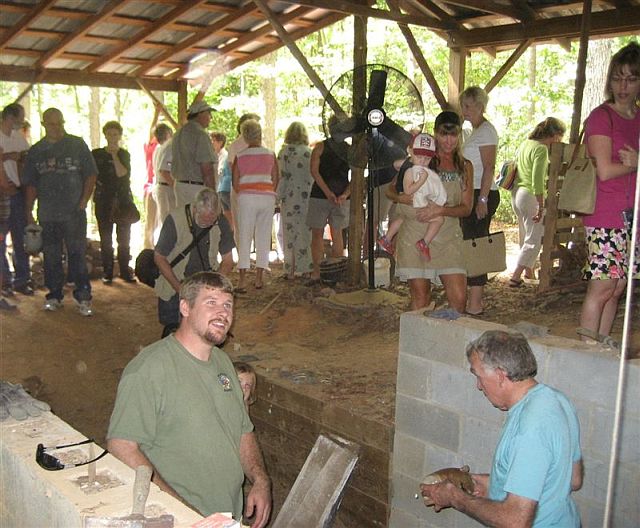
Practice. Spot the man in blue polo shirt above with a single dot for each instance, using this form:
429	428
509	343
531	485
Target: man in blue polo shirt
537	463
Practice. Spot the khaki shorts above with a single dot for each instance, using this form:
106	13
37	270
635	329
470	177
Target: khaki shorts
321	211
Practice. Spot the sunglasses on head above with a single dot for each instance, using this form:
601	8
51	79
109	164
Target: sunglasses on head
53	463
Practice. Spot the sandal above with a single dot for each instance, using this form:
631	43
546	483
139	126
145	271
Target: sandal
386	244
424	249
515	283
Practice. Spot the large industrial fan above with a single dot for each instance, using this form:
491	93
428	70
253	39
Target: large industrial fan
377	126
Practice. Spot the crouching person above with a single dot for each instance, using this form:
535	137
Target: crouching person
179	410
191	239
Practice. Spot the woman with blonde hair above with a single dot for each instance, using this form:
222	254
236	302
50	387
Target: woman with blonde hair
527	195
255	180
480	146
612	131
293	192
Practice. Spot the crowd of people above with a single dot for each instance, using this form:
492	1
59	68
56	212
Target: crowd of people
205	199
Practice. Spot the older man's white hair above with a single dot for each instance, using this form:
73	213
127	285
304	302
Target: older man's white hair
206	201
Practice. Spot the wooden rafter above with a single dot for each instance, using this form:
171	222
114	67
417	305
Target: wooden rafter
489	7
159	24
427	7
504	69
198	37
71	38
19	28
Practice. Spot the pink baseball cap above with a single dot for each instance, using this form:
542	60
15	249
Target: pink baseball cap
424	145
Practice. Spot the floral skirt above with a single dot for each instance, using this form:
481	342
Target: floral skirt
609	254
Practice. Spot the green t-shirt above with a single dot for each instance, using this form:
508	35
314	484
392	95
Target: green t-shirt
187	416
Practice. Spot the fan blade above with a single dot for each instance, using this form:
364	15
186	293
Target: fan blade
377	87
395	133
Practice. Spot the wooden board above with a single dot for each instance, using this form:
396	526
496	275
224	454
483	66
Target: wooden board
316	493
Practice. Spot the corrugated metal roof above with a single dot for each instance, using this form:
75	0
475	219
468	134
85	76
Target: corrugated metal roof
154	40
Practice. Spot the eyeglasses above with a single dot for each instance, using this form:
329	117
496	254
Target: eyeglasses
53	463
632	79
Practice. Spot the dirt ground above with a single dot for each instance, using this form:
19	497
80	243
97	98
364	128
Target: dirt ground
345	355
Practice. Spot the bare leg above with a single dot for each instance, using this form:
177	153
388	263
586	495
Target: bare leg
420	291
601	304
475	305
242	278
317	250
455	286
433	226
337	246
394	227
258	283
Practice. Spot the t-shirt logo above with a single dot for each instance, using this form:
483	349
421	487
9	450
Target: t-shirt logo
224	381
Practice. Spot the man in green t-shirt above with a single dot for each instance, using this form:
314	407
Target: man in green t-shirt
179	410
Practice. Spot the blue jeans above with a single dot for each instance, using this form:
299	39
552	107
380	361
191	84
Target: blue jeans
16	224
73	232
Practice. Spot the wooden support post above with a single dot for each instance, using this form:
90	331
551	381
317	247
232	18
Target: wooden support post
419	57
158	104
182	102
154	120
299	56
24	92
581	78
504	69
457	63
356	218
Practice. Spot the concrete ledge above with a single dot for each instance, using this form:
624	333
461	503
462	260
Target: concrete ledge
443	420
31	497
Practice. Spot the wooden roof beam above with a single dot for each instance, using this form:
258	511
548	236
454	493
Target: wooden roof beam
17	29
299	56
419	57
160	107
619	21
488	6
91	23
429	8
232	48
199	36
82	78
504	69
351	8
141	37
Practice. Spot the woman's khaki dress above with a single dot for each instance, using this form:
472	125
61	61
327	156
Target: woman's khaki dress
446	247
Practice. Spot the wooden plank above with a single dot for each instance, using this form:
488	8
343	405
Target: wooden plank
569	222
316	493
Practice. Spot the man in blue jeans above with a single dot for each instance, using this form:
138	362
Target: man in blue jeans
61	173
14	147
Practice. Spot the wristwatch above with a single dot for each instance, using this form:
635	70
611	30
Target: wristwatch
483	199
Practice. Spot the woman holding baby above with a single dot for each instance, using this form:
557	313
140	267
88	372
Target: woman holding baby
446	261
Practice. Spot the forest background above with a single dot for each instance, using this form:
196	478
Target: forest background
540	84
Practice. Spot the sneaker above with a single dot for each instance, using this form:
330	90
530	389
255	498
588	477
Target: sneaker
7	291
107	281
5	305
386	244
424	249
51	305
84	307
128	278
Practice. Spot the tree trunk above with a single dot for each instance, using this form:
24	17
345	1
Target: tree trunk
532	81
269	97
600	52
94	118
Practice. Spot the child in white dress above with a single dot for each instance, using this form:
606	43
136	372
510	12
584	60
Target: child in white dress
424	186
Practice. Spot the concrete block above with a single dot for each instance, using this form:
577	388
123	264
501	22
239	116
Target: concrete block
438	458
431	423
400	519
629	436
408	455
477	443
403	495
413	376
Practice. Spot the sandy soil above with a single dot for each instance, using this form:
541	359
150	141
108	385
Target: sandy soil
347	355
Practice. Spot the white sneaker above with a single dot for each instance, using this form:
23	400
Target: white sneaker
84	307
51	305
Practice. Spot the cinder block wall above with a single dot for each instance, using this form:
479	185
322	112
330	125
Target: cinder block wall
443	420
31	497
